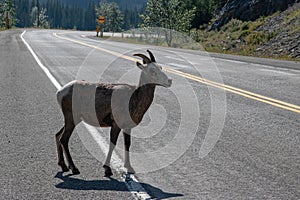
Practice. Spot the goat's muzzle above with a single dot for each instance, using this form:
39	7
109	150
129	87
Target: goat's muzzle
169	83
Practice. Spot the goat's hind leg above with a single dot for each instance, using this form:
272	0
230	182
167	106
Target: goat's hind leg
64	140
60	156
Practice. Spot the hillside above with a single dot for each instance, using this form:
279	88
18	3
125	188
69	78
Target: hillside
247	10
276	36
285	27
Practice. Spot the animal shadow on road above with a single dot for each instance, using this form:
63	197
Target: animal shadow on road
110	184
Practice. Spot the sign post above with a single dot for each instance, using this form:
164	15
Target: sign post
7	16
97	30
101	20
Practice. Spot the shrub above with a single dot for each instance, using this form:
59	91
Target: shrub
256	38
232	25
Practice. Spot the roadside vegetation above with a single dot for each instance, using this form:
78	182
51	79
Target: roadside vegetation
177	23
235	37
275	36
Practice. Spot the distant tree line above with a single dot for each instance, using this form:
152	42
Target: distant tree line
179	15
54	14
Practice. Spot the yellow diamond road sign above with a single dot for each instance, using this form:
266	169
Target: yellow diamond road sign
101	19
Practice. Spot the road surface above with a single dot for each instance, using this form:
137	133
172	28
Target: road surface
228	128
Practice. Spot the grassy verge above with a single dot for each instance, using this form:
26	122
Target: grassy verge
178	41
236	37
260	38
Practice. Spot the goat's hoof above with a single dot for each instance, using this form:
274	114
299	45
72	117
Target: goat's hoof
64	167
107	171
130	170
75	171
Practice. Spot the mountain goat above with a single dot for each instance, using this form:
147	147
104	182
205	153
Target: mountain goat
119	106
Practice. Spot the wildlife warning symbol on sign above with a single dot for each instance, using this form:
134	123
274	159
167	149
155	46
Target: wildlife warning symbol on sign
101	19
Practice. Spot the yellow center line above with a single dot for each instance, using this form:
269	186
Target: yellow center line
245	94
236	89
250	95
98	48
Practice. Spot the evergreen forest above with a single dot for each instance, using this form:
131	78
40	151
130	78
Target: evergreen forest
62	15
81	15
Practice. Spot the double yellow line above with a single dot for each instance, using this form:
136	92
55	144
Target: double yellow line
244	93
250	95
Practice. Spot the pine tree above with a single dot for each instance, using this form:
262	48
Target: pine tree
112	14
204	10
90	17
43	19
8	13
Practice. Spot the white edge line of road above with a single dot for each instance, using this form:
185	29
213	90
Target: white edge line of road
131	182
47	72
232	61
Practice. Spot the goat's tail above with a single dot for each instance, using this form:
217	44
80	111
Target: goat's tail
59	96
64	91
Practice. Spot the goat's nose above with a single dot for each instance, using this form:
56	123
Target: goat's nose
169	81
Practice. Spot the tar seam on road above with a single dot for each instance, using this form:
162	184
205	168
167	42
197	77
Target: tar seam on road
131	182
244	93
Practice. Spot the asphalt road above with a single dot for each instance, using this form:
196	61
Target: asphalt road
199	140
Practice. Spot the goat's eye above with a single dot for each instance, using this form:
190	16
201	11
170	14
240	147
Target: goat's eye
152	70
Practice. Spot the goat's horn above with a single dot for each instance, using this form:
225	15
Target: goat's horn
146	60
151	55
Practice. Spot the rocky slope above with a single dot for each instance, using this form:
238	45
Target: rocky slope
247	10
274	36
286	28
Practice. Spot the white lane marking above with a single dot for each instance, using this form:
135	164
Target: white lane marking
47	72
179	65
233	61
277	72
174	58
276	68
262	65
131	182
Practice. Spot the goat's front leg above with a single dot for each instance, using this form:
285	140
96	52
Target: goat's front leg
114	134
127	143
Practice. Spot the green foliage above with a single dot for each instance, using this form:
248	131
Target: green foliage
7	7
112	14
256	38
69	16
292	22
168	14
204	11
41	19
235	37
153	36
292	16
232	26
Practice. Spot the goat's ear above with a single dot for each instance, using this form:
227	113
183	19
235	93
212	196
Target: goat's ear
141	66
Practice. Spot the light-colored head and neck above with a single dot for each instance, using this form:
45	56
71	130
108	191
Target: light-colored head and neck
152	73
